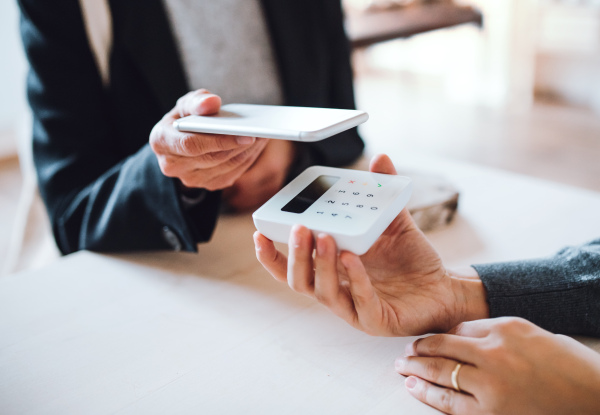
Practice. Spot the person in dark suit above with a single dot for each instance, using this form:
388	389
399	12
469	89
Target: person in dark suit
113	173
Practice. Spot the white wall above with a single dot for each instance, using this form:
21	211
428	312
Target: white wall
568	53
493	66
13	68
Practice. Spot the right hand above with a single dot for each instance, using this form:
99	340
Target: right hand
398	288
207	161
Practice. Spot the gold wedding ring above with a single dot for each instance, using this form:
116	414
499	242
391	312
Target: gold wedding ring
454	377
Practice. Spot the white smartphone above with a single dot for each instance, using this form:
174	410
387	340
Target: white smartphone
274	121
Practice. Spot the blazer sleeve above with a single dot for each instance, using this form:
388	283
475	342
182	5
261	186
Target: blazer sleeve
560	293
99	195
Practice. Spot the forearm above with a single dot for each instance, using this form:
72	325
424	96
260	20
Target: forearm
560	293
132	206
470	294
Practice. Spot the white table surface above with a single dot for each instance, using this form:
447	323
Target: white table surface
179	333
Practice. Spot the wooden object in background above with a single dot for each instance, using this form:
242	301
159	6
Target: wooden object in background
434	200
369	27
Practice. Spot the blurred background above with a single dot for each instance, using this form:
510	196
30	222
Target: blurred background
512	84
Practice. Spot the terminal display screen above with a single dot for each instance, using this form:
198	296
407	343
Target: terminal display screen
310	194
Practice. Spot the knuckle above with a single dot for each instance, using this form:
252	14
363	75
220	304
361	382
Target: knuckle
423	391
165	166
432	345
433	369
186	181
155	139
229	182
323	299
190	145
216	157
240	158
446	400
512	325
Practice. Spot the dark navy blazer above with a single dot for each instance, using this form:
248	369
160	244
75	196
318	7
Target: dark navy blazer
98	177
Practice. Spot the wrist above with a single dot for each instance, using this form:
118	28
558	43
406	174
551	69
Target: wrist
471	295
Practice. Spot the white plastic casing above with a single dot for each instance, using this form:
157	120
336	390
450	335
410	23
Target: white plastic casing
274	121
355	210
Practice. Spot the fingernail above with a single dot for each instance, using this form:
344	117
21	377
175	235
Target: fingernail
295	237
410	382
399	364
409	350
243	140
321	245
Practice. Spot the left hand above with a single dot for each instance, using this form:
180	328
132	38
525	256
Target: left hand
265	178
510	366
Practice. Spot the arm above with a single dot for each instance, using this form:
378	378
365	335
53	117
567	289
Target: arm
103	186
401	287
560	293
98	195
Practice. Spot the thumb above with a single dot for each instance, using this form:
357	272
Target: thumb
381	163
199	102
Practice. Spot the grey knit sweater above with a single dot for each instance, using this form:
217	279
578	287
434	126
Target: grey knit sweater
560	293
225	47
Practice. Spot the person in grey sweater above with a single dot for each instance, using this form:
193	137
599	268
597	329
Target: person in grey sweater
503	349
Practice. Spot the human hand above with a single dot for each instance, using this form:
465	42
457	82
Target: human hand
208	161
266	176
510	366
399	287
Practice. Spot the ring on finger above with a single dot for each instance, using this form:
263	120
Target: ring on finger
454	377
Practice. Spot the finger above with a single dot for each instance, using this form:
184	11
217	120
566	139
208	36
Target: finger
381	163
199	102
446	400
270	258
178	166
462	349
165	139
475	328
300	263
327	283
223	175
438	370
361	289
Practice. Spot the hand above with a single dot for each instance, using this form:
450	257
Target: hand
399	287
261	181
208	161
510	366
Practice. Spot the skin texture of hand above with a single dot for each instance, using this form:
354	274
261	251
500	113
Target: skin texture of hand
510	366
266	176
208	161
398	288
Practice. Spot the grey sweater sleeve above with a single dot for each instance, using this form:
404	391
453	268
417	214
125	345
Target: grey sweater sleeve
559	293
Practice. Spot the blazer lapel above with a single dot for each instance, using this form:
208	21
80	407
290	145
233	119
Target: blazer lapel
142	28
297	40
